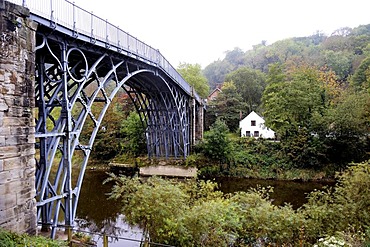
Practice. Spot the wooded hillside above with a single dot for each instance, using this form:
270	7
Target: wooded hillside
342	52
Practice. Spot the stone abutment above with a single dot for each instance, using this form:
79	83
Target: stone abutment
17	128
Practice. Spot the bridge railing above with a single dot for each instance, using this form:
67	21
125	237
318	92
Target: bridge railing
105	239
80	21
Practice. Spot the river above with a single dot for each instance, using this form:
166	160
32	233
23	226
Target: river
96	213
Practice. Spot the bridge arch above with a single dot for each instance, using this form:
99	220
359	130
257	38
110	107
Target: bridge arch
71	78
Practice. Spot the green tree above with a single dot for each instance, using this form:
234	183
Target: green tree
361	77
133	131
192	73
227	106
249	84
273	102
107	141
211	223
294	106
348	125
290	103
216	72
343	209
235	57
257	58
216	144
339	62
284	49
351	115
194	214
336	43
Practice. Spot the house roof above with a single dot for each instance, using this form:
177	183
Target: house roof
215	90
252	114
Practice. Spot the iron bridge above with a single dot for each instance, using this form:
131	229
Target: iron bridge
82	61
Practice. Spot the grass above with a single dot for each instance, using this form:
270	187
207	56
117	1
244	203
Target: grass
11	239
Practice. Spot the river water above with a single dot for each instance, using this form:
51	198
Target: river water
96	213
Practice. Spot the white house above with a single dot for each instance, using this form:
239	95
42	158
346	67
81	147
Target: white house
254	125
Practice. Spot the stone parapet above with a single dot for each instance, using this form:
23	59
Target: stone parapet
17	128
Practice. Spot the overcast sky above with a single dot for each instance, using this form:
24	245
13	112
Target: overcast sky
200	31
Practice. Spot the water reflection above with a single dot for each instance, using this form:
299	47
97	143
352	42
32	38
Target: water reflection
293	192
95	213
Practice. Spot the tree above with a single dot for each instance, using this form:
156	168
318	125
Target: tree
339	62
250	85
194	213
215	144
317	120
344	31
133	131
284	49
361	30
108	139
290	103
294	105
348	125
216	72
273	102
235	57
350	197
361	77
336	43
193	75
257	58
228	106
153	205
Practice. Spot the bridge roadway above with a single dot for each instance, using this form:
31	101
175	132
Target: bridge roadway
82	61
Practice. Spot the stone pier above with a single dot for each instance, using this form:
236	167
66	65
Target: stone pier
17	128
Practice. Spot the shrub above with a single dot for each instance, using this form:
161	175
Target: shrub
152	204
196	214
216	144
11	239
347	206
209	223
264	222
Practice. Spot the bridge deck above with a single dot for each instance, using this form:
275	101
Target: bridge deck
66	17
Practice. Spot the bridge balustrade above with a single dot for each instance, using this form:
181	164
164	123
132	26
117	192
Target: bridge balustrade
82	22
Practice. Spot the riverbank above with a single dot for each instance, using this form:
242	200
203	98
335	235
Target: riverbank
266	173
163	170
206	169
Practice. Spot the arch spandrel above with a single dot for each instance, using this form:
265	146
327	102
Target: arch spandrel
72	79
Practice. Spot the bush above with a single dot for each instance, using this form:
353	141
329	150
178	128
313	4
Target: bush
152	205
216	144
11	239
209	223
264	222
345	207
196	214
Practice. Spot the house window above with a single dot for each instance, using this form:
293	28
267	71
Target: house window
256	134
248	133
253	123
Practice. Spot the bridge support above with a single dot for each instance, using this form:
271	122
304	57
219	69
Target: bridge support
197	122
17	131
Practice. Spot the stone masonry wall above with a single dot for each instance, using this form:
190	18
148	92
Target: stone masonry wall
17	131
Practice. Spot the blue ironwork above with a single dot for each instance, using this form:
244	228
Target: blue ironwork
81	63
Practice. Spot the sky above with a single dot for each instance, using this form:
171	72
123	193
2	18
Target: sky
201	31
